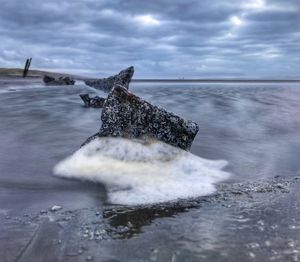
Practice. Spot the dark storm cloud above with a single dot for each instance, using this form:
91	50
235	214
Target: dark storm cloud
160	38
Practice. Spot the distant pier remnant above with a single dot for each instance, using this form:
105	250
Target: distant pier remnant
26	68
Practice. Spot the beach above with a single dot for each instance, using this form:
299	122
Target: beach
252	214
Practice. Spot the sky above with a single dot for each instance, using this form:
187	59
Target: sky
161	39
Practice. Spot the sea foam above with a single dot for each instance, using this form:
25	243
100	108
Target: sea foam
138	172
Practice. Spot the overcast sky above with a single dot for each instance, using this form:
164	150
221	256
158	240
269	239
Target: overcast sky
170	38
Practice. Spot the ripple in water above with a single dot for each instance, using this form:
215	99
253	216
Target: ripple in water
139	172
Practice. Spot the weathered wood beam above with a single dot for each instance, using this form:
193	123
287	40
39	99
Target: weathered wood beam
26	68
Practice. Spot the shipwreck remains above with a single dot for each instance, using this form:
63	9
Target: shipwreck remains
26	68
63	80
96	102
127	115
106	84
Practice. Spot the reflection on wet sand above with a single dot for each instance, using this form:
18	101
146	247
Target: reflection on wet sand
125	222
196	228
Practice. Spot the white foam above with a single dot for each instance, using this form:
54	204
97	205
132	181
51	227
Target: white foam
137	172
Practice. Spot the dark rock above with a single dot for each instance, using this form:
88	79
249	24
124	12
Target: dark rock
48	79
86	99
126	115
106	84
63	80
96	101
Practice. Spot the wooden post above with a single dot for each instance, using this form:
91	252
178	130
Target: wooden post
26	68
29	63
24	71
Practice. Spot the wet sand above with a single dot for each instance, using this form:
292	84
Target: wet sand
118	233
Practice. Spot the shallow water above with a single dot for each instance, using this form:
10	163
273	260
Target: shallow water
254	127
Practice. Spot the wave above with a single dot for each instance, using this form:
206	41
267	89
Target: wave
139	172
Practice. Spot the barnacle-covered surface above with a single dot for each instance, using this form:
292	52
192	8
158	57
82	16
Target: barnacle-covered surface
62	80
127	115
106	84
96	102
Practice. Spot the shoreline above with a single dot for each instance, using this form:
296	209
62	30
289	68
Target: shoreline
16	73
216	80
84	234
37	77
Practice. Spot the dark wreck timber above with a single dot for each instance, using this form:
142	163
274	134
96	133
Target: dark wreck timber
63	80
127	115
26	68
96	102
106	84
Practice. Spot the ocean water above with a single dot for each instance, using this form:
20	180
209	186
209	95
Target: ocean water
248	132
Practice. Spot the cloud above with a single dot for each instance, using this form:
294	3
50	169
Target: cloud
169	38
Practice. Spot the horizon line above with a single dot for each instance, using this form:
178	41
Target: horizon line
173	79
206	80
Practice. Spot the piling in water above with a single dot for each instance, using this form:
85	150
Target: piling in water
27	66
